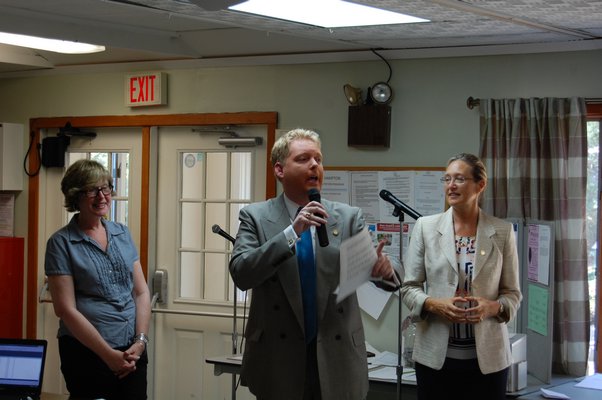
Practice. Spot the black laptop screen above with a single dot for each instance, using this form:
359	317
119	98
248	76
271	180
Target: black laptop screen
21	364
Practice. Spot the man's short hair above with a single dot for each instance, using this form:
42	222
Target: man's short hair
282	145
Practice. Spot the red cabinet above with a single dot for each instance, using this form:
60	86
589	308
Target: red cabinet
11	287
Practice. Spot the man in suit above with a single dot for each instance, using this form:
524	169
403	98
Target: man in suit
286	355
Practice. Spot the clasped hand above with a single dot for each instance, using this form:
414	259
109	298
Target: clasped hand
123	363
452	308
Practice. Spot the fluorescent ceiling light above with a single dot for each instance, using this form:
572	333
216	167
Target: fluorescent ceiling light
58	46
324	13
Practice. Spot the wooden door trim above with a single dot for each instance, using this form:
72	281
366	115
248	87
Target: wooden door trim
144	122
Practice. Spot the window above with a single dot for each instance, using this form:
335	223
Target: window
119	165
593	216
214	187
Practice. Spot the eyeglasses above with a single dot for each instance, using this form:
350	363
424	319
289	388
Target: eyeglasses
105	190
459	180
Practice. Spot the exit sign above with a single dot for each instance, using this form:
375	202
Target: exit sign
146	89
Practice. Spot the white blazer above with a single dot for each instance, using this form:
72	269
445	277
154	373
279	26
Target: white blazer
431	270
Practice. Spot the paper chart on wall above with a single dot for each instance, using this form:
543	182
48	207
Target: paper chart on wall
401	185
335	186
539	253
364	194
429	197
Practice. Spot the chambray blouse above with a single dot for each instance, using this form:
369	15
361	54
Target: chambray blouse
103	281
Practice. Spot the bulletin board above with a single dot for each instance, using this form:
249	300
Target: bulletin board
537	285
418	187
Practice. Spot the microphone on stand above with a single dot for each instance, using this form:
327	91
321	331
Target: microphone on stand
388	196
400	209
314	195
216	229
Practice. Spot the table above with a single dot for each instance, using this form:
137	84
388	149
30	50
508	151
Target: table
387	389
568	388
379	389
231	364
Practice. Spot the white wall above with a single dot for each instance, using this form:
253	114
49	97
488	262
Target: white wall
430	120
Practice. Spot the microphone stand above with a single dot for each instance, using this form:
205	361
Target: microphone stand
234	336
398	213
234	326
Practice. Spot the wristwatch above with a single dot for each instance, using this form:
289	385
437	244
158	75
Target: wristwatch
501	310
142	338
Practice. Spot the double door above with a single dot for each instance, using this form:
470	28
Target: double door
194	184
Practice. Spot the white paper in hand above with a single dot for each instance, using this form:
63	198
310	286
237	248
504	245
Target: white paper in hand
357	257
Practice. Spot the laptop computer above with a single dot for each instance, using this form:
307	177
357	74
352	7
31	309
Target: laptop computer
22	368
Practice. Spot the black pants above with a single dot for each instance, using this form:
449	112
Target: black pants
311	385
88	377
312	378
460	379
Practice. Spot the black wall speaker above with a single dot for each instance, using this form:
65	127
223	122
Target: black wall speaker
53	151
369	125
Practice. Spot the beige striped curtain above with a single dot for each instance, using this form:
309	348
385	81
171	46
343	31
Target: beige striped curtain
535	151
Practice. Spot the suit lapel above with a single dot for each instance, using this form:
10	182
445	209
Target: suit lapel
448	241
277	219
327	262
485	232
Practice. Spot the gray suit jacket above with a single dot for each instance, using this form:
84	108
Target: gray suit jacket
431	270
275	351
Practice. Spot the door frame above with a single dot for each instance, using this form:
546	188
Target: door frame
144	122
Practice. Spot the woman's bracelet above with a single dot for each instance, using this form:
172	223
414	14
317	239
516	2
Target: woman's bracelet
141	337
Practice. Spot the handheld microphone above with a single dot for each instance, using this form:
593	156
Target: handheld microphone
216	229
314	195
388	196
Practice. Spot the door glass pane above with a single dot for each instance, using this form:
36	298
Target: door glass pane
234	211
217	179
191	221
216	214
102	158
120	170
119	211
190	275
241	170
216	271
228	178
192	175
234	222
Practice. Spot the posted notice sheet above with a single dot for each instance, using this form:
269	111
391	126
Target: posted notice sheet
357	256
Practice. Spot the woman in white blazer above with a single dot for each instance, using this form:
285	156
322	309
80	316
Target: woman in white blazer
461	287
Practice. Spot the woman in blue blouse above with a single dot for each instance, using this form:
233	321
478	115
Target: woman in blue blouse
98	292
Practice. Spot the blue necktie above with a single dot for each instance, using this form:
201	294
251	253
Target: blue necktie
307	275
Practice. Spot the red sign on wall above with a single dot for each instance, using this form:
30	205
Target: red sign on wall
146	89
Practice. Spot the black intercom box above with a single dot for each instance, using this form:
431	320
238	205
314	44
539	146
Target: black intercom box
53	151
369	125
